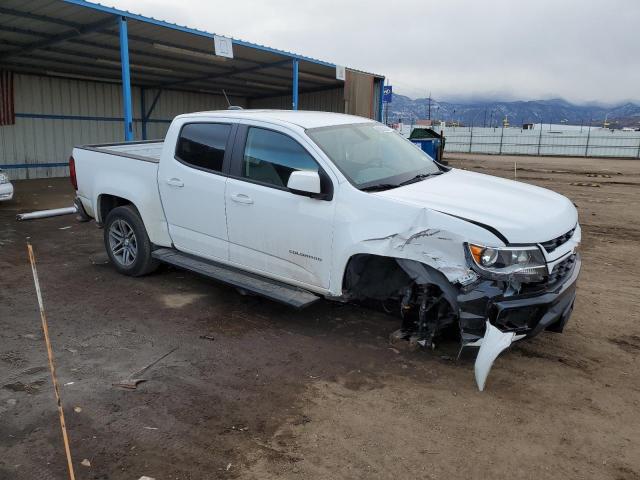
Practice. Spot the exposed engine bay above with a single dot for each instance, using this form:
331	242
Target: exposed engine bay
485	313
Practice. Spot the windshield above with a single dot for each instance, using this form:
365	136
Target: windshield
370	154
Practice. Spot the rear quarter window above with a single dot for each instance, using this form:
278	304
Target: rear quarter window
202	145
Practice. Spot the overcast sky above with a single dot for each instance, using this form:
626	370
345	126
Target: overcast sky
580	50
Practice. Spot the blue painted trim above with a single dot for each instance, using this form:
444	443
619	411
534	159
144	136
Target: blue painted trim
31	165
126	80
44	116
194	31
295	85
143	110
381	93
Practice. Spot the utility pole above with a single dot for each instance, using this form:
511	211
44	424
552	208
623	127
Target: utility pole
429	111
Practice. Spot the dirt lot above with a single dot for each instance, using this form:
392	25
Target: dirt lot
274	393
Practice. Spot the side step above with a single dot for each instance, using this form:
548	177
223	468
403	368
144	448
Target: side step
278	291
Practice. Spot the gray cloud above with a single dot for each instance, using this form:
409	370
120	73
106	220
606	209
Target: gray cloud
581	50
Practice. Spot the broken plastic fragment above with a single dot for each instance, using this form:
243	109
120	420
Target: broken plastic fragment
494	342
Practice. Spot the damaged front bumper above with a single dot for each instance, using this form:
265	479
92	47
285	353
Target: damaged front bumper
492	315
527	311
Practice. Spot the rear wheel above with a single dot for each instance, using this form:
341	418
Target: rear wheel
127	242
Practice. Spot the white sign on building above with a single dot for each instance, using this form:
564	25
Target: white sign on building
223	46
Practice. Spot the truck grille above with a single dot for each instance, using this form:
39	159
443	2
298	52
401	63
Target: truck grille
562	269
551	245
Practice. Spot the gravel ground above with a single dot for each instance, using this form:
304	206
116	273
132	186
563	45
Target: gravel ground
255	390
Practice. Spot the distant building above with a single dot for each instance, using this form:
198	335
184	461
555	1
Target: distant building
423	122
527	126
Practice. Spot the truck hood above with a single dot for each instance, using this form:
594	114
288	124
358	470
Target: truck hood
522	213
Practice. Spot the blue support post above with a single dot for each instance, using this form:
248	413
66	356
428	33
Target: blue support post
143	111
295	84
380	94
126	80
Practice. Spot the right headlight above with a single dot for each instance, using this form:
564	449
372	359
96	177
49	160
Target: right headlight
4	178
525	263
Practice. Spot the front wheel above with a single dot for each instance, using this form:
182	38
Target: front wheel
127	242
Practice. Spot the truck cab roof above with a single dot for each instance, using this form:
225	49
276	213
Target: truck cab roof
304	119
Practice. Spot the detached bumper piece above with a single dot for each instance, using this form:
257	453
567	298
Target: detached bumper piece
492	316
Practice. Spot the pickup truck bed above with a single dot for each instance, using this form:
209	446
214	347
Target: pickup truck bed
149	151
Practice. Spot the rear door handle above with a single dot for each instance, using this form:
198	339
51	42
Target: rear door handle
175	182
241	198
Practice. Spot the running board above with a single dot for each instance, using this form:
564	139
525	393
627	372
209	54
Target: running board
272	289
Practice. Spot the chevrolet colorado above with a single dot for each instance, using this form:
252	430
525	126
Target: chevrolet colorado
296	206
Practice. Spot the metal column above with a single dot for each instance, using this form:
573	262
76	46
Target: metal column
295	84
126	80
143	112
381	95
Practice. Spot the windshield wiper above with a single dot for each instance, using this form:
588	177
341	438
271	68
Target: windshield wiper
379	186
420	176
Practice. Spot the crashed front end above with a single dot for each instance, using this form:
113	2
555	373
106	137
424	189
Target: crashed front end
507	294
525	302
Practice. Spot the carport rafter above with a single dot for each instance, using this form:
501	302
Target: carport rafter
282	64
51	40
308	90
35	16
223	74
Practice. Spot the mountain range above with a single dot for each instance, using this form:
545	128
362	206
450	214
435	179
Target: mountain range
487	113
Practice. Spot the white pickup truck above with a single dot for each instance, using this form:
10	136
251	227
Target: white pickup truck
296	206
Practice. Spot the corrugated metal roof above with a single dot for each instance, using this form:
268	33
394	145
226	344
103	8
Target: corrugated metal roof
80	38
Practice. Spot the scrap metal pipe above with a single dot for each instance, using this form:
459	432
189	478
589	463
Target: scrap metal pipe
47	213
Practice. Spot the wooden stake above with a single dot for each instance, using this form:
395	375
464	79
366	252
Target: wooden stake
45	329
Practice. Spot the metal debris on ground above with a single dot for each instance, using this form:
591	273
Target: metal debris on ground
132	382
47	213
207	337
85	463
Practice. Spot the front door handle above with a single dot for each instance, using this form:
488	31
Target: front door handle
175	182
241	198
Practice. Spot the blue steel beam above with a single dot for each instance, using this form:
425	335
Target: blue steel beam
143	109
295	84
380	94
126	80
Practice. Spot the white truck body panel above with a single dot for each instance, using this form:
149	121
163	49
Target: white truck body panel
243	224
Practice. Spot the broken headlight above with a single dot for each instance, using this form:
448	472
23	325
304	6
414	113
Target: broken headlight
500	263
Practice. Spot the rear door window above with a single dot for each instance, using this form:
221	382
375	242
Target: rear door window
202	145
270	157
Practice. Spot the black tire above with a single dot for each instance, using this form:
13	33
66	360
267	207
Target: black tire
127	243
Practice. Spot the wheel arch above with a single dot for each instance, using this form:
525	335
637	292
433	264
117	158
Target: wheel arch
107	202
382	276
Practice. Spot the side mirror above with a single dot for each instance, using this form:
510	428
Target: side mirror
304	182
